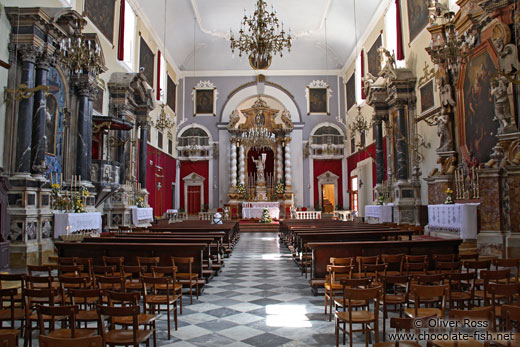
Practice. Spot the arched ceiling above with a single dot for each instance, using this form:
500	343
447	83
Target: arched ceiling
197	31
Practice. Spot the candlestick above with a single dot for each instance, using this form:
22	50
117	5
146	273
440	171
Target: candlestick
61	178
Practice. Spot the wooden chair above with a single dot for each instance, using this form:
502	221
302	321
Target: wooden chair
406	324
131	299
86	300
333	285
92	341
67	283
171	272
187	276
397	298
114	283
510	314
148	262
32	299
395	264
87	267
361	261
153	301
45	271
52	313
8	339
363	317
505	292
342	261
125	337
433	279
462	289
10	312
427	294
116	262
362	283
375	272
132	275
67	260
478	315
476	266
442	267
444	258
16	281
416	264
511	263
489	277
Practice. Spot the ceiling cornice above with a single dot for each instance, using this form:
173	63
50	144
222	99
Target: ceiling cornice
233	73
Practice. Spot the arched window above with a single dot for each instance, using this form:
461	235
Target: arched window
193	142
327	142
327	135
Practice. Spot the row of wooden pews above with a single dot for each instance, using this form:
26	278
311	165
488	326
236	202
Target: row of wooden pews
208	245
313	242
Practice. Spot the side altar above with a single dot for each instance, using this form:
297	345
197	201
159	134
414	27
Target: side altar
260	161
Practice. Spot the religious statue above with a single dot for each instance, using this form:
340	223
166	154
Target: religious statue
502	107
233	119
259	169
444	131
368	80
388	63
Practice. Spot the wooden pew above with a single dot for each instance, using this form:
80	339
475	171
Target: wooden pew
323	251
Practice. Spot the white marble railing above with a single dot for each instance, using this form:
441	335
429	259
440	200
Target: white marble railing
343	215
175	216
206	215
308	214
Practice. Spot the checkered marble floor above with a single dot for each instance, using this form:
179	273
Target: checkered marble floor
259	299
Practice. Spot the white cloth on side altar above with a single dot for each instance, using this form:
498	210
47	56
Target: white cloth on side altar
140	214
381	212
456	217
67	223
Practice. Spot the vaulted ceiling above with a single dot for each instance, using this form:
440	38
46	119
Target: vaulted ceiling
197	31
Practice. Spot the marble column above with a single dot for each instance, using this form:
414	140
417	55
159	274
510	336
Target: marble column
233	150
83	161
39	140
242	164
288	165
121	155
25	113
143	143
279	162
402	145
380	155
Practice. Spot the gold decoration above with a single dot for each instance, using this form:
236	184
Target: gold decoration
428	74
163	121
22	92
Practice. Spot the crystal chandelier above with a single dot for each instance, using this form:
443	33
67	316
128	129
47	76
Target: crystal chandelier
258	137
163	121
359	124
260	37
81	54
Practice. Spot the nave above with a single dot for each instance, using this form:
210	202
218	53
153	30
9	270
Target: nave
259	299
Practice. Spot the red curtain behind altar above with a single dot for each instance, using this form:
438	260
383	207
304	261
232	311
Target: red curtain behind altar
269	161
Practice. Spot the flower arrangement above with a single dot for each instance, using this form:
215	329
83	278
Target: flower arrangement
449	198
139	202
58	201
279	188
380	200
241	188
266	218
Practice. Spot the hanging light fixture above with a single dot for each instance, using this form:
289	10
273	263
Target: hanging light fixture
81	54
261	37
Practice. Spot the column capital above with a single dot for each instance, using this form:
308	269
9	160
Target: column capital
143	123
28	52
45	61
85	85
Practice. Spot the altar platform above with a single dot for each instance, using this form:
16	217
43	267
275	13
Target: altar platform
253	226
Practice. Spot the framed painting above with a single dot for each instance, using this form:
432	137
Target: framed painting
102	14
51	123
417	17
205	99
374	62
351	91
478	129
427	96
146	61
171	93
318	94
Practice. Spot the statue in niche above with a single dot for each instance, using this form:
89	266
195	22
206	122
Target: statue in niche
260	167
233	119
502	108
444	131
286	119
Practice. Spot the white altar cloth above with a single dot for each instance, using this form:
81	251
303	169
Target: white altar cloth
255	212
260	204
67	223
461	218
140	214
382	213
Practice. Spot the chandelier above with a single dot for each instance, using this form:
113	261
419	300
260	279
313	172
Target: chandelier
261	37
163	121
258	137
81	54
359	124
447	48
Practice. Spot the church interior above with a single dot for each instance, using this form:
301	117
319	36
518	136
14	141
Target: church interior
259	173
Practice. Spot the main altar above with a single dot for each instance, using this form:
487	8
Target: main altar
260	161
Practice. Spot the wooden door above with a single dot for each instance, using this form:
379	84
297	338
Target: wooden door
193	199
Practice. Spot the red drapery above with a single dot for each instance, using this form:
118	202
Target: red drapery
362	74
121	37
159	75
399	31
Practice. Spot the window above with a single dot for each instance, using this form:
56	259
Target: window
390	32
130	33
170	146
354	193
159	140
363	139
353	145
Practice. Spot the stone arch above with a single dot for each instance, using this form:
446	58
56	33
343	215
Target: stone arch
326	124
